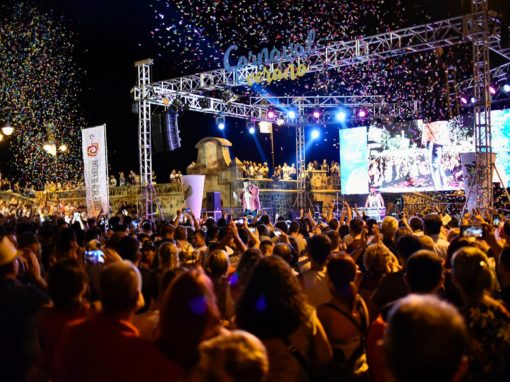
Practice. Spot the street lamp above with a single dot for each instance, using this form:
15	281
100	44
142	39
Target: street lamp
50	148
7	129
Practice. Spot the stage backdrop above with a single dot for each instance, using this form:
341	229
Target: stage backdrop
95	165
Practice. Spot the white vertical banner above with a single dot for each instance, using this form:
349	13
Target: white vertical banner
95	166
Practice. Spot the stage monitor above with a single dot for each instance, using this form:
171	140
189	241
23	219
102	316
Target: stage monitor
500	121
405	156
354	160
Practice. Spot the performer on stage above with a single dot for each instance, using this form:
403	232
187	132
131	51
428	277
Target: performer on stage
249	197
374	199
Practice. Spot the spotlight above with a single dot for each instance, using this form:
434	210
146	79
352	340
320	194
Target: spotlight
341	116
316	114
291	114
362	113
280	121
315	134
270	114
506	88
463	100
228	96
220	123
492	90
251	127
176	104
473	100
204	103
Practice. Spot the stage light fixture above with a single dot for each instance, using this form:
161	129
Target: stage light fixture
316	114
220	123
177	104
473	100
228	96
341	116
362	113
315	134
506	88
463	100
492	90
280	121
204	103
271	114
251	127
291	114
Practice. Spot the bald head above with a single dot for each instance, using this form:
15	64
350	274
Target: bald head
120	286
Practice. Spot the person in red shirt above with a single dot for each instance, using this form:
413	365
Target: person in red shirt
107	347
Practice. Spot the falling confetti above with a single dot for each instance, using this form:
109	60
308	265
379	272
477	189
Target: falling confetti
39	87
193	35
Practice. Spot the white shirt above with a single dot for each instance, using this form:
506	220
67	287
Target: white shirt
248	197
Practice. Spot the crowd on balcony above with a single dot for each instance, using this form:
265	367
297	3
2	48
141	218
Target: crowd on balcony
254	170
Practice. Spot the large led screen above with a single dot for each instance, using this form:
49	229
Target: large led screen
354	160
406	156
500	120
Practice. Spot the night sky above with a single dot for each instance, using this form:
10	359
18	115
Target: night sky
112	34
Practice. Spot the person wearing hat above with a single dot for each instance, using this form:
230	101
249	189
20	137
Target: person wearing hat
19	304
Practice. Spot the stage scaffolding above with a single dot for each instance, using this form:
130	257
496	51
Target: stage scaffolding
193	92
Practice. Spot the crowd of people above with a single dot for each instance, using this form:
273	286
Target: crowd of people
338	299
254	170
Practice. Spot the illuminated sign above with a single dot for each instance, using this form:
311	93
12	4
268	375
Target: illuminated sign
265	58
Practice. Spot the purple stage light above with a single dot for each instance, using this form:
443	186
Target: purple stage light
362	113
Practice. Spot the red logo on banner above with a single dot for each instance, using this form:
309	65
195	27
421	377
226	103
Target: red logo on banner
93	149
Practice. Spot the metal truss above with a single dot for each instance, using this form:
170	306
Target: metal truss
260	106
316	101
421	38
196	102
498	74
144	136
482	183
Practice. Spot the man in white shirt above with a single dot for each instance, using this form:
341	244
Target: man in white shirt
315	281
